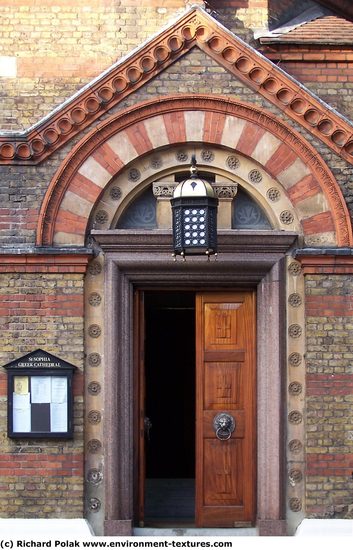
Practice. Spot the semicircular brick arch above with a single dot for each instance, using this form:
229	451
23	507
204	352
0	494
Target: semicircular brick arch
120	140
231	170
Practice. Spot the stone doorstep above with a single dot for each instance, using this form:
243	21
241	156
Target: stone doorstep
307	528
194	532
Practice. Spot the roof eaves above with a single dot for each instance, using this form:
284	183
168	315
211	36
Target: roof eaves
306	42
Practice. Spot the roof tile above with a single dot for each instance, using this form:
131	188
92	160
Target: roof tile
329	28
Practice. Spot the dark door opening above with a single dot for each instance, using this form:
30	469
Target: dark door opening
170	407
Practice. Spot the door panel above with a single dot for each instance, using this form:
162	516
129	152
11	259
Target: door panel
225	380
220	321
222	487
223	383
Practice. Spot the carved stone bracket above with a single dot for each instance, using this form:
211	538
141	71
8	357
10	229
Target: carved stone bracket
165	189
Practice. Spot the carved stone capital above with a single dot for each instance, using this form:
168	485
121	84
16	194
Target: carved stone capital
225	190
164	189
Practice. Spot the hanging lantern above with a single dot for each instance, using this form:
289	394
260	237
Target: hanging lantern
194	208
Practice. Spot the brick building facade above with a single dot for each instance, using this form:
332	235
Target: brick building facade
103	102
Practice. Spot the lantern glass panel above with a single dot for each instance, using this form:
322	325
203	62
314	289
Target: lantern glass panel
195	225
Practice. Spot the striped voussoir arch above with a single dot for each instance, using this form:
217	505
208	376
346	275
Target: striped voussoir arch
243	128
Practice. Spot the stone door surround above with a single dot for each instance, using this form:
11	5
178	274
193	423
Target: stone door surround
138	259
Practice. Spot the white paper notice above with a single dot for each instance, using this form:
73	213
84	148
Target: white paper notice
59	389
58	417
20	401
40	389
21	419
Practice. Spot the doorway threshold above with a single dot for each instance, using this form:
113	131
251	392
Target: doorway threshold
195	532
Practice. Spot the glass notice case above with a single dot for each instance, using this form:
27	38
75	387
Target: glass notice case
40	397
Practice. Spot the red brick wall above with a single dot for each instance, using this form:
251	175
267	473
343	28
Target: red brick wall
321	71
37	482
327	72
331	80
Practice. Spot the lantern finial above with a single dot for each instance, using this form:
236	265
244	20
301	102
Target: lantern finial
193	167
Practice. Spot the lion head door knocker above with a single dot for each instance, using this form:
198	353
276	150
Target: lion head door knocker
224	425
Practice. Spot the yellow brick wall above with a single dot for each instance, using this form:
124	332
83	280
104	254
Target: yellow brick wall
42	478
50	49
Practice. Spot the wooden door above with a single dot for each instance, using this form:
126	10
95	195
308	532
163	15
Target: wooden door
225	381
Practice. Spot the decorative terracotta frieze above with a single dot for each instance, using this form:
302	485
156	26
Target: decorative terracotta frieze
194	28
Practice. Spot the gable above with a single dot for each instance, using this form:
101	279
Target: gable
194	29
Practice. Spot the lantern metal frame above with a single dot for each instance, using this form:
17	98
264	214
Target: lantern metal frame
194	214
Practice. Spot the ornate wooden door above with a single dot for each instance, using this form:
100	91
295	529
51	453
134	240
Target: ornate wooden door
226	389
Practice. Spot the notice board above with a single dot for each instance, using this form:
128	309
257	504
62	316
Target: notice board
40	397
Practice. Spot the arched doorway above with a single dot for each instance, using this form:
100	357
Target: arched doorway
147	250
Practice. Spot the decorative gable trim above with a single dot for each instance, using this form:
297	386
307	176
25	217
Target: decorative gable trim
194	28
